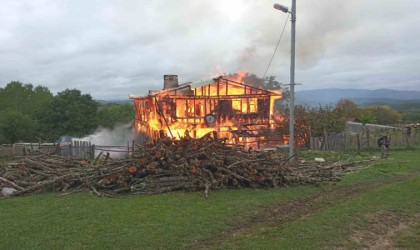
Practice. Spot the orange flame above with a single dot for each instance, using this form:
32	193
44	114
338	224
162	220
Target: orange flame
184	114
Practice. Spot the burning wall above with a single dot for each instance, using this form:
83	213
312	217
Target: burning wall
238	112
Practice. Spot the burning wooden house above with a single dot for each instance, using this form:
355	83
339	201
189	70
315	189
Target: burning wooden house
238	112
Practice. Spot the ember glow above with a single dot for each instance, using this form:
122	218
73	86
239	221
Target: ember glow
223	106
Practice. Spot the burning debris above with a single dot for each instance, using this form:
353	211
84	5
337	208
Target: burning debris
164	165
240	113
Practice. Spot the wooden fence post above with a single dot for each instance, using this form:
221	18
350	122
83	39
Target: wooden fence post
345	141
82	153
74	153
132	148
128	147
92	152
367	137
82	150
407	139
77	144
325	140
79	150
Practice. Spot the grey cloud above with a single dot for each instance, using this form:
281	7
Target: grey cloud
114	48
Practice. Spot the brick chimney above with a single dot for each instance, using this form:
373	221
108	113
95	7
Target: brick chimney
170	81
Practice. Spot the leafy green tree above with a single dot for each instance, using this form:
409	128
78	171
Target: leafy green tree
110	115
412	116
268	83
70	113
347	109
314	121
385	115
271	83
15	95
302	124
41	97
19	104
326	118
16	126
253	80
367	116
24	98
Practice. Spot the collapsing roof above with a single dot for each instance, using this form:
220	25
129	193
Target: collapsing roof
198	84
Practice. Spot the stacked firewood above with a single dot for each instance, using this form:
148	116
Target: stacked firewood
160	166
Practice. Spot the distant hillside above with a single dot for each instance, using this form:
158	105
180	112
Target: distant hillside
362	97
400	105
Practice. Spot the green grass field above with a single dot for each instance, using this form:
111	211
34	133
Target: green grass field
377	207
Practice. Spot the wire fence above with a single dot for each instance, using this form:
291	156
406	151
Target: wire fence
364	140
347	141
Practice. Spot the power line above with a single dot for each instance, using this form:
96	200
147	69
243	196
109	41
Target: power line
275	50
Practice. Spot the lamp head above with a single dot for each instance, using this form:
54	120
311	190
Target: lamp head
281	7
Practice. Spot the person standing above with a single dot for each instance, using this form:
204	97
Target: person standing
384	143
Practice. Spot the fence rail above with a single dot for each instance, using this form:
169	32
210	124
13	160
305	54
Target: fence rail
362	141
75	149
331	142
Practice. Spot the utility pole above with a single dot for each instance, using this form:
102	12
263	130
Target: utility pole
292	85
285	9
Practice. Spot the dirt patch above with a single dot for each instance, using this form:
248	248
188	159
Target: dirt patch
277	214
380	229
303	208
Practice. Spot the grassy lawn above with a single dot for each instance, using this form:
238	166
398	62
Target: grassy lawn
86	221
381	201
333	226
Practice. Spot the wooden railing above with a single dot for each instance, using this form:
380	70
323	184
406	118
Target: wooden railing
75	149
362	141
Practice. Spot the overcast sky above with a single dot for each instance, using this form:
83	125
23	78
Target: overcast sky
112	48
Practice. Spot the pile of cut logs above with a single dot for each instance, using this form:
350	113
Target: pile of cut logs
164	165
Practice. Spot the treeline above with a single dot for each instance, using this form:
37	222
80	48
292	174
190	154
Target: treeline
332	118
410	109
31	114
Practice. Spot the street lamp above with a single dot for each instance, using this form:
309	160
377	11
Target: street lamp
292	76
281	7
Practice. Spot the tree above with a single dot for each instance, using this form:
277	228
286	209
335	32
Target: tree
326	119
271	83
109	115
315	121
412	116
347	109
367	116
385	115
24	98
253	80
70	113
17	127
42	96
19	105
302	124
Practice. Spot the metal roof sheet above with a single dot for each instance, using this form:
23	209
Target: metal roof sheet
202	83
197	85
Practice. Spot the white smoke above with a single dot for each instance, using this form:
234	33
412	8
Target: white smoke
116	141
118	136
